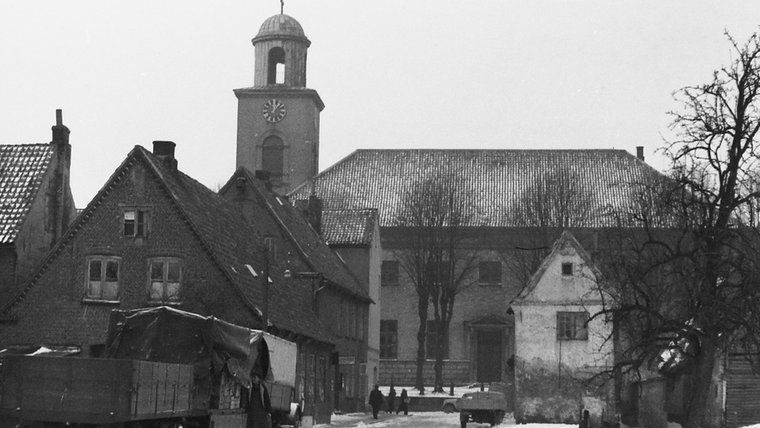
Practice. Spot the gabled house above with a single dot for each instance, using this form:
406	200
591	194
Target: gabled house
355	236
341	299
36	205
154	236
558	349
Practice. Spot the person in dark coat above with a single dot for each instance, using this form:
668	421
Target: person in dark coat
392	400
375	400
259	406
403	405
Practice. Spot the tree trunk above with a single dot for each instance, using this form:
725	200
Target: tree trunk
422	311
704	363
438	367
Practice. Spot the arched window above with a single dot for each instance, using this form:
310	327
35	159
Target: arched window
272	156
276	63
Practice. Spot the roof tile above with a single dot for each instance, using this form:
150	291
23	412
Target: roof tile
22	168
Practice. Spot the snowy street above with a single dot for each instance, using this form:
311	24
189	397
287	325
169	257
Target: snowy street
419	420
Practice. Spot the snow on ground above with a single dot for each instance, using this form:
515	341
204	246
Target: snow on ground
419	420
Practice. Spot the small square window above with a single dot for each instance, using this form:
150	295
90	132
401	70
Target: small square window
389	273
567	269
135	223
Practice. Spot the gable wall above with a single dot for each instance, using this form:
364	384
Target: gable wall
53	312
550	372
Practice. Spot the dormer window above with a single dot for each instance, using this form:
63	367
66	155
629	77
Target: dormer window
135	223
567	269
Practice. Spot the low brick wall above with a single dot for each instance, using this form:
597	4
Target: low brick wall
403	372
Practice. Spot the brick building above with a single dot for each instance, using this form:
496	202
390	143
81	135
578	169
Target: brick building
36	205
154	236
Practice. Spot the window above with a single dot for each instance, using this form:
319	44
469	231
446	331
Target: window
489	273
567	269
102	278
572	326
165	277
276	71
388	339
389	273
135	223
431	341
272	157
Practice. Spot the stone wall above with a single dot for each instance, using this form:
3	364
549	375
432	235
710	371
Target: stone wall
403	372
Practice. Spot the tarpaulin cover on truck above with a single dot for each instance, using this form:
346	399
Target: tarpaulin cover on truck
170	335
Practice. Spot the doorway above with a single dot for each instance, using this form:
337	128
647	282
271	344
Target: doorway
489	358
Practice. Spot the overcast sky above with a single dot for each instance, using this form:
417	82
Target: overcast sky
392	74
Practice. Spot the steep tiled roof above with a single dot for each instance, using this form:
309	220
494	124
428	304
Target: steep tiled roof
22	167
495	178
229	240
349	227
312	248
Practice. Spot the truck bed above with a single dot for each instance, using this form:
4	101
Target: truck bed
93	390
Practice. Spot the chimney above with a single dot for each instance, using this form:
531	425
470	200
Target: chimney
60	207
264	176
315	213
640	152
60	131
164	152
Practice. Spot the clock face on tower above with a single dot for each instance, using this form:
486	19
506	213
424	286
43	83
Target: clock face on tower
273	111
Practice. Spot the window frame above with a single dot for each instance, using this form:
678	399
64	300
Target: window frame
567	269
103	260
490	283
389	348
139	223
572	325
165	299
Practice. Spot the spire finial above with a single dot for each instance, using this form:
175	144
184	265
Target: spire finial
282	6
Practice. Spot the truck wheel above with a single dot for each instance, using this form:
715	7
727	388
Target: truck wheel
449	408
463	417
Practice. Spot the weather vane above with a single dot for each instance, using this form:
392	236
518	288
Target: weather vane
282	6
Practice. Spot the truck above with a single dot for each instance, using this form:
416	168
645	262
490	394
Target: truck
486	407
163	367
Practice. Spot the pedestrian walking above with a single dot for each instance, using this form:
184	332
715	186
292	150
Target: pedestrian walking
403	405
391	400
375	400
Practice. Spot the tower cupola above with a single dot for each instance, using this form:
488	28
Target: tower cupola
280	53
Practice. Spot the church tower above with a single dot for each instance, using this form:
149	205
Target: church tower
278	118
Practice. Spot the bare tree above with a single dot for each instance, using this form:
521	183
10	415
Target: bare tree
557	200
433	226
683	279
